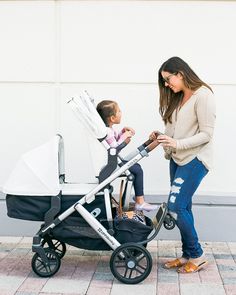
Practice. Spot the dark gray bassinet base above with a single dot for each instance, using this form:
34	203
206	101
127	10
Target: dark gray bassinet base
73	230
34	208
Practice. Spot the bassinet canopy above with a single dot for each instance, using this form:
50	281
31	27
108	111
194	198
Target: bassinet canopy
38	171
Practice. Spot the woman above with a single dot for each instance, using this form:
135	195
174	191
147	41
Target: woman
187	108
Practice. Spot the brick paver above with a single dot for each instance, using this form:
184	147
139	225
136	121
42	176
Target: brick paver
88	272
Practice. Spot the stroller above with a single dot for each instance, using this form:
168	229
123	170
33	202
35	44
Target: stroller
82	215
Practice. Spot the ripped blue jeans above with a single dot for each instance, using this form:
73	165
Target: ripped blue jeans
184	182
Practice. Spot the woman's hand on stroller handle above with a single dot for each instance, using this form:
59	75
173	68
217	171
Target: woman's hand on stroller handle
164	140
154	135
152	142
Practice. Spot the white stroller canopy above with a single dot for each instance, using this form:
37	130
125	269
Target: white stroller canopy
37	172
84	108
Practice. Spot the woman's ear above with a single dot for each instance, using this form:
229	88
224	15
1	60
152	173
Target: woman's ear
180	75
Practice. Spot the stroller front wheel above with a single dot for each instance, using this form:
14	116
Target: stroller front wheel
55	245
46	268
131	263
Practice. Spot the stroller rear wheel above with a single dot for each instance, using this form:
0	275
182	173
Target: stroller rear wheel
43	268
56	245
131	263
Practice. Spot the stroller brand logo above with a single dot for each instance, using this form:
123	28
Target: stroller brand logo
105	235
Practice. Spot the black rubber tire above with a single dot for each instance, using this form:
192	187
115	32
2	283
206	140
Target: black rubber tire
43	270
131	263
55	245
169	222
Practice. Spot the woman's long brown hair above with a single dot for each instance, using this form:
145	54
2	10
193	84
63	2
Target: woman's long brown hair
169	100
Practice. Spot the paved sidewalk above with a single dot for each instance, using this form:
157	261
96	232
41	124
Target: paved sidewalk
88	272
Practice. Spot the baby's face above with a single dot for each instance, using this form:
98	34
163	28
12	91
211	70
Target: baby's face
117	116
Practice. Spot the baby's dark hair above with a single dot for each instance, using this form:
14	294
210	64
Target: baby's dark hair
106	109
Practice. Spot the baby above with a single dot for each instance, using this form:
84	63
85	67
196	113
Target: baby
111	114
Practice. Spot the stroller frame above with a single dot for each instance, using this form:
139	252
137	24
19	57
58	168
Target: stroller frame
130	262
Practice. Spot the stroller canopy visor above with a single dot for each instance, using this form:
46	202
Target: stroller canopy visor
37	172
85	110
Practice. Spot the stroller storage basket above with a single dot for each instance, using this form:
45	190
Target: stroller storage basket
78	233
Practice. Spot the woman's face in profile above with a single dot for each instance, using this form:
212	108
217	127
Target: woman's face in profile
173	80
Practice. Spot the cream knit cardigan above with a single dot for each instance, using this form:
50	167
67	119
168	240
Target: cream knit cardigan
192	126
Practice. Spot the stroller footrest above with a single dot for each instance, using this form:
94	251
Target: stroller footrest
158	221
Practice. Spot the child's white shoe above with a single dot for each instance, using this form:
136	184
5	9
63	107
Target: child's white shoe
146	207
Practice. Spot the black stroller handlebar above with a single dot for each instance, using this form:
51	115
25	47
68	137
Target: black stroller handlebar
150	144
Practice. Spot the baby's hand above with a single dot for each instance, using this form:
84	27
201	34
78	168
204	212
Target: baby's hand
128	134
131	130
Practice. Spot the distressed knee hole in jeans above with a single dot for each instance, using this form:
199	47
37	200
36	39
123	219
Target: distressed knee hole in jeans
172	198
175	189
179	180
176	185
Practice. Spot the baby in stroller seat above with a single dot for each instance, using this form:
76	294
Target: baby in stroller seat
111	114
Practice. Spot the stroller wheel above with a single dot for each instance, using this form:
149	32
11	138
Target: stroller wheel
169	222
56	245
131	263
46	269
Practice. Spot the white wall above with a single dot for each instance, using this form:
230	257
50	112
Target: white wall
52	50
